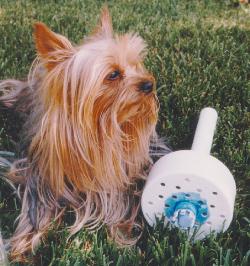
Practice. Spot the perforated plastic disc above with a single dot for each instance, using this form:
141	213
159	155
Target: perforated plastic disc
191	172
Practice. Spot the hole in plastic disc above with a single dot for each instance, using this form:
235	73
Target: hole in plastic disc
150	202
167	205
222	216
174	196
163	184
160	196
204	214
188	195
178	187
212	206
215	193
200	202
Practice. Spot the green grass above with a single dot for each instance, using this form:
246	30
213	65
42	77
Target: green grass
199	54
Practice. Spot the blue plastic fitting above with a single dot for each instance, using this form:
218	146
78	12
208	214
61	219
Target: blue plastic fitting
186	210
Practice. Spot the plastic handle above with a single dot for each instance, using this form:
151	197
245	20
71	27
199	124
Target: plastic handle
205	129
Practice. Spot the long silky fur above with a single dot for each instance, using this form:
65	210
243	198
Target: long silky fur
89	141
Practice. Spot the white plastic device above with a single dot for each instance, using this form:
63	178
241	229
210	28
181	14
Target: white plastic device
191	188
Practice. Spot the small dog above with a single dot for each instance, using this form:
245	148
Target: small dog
91	116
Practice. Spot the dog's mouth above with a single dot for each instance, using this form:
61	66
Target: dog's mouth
144	110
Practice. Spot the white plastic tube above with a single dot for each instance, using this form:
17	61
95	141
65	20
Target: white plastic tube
205	129
3	256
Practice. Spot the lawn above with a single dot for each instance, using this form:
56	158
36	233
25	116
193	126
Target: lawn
199	54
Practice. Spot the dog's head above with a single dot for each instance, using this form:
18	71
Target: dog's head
99	108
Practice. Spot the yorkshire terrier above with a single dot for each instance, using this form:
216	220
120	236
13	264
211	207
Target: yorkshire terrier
91	116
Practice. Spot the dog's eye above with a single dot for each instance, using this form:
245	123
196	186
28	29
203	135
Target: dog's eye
114	75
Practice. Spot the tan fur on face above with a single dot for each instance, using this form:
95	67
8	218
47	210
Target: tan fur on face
89	135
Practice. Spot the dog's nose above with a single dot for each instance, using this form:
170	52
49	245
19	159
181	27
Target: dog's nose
147	86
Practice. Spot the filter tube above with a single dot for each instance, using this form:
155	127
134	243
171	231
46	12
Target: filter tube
205	129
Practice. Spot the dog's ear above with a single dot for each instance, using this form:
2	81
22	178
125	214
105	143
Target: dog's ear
47	42
104	27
